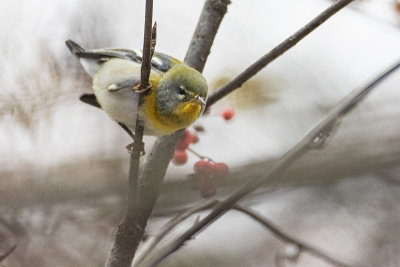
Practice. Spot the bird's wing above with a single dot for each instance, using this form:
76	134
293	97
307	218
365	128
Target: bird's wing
90	99
92	59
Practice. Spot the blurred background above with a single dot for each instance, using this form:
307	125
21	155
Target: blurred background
64	166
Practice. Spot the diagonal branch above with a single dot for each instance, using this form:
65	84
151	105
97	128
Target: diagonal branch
167	228
286	237
315	139
7	253
302	246
276	52
130	232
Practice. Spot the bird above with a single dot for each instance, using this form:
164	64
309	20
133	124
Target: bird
176	99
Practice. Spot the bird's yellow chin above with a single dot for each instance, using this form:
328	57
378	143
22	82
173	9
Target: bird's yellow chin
185	114
188	112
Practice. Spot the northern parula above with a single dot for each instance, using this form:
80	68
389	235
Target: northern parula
177	98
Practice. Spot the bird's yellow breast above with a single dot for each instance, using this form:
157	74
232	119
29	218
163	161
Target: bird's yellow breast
186	113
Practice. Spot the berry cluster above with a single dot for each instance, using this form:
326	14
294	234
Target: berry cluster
206	171
180	154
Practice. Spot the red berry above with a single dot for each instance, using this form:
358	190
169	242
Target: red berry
206	185
183	144
180	157
228	113
186	132
220	169
203	167
194	138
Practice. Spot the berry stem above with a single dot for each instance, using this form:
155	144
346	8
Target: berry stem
199	155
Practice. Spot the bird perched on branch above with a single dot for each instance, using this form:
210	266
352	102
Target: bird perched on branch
176	99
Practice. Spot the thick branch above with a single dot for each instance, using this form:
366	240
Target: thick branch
130	232
207	27
276	52
315	139
157	162
132	226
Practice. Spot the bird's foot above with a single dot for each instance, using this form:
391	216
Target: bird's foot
140	90
130	147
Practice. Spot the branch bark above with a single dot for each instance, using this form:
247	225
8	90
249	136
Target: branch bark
276	52
130	231
314	140
206	30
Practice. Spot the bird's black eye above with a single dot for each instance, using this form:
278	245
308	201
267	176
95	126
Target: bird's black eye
182	91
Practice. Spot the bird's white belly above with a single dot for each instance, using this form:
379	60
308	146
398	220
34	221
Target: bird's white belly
121	104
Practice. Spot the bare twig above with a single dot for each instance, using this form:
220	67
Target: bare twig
151	177
172	224
276	52
199	155
302	246
286	237
130	231
157	162
314	139
7	253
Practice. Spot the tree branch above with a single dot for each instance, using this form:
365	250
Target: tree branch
286	237
155	240
203	37
276	52
153	171
315	139
7	253
130	231
128	234
170	225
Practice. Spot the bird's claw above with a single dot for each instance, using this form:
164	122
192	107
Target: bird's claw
130	148
137	88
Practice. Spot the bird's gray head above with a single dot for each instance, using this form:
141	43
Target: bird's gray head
181	85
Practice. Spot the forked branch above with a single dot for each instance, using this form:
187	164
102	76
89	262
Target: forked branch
276	52
315	139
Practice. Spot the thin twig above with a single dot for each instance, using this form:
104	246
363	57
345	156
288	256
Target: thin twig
314	139
167	228
276	52
172	224
153	171
130	231
286	237
199	155
8	253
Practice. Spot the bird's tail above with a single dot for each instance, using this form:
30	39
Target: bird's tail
74	47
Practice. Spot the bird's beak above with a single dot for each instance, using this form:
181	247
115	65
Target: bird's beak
201	100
